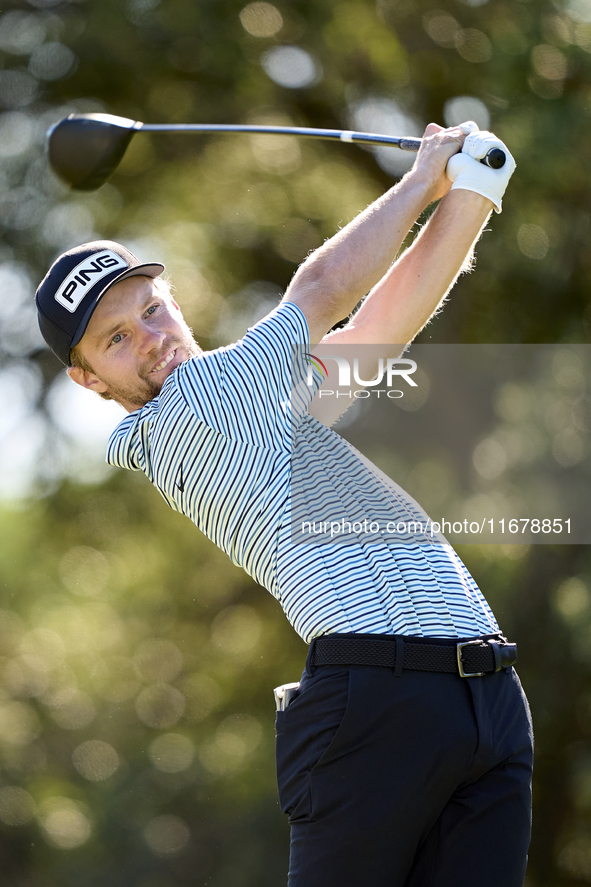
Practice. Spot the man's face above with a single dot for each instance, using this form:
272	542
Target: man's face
136	337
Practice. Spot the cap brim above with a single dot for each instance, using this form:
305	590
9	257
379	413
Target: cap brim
153	269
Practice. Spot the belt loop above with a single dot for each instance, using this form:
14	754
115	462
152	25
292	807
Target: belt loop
399	658
497	654
309	668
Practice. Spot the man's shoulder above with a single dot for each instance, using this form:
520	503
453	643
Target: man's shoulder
285	324
286	319
212	372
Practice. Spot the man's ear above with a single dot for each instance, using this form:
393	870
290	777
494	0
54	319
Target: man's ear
86	379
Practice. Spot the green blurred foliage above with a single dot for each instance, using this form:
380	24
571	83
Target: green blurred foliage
136	662
136	709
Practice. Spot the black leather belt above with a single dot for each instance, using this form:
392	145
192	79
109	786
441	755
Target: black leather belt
468	658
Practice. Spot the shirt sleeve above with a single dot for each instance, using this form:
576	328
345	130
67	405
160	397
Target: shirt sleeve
258	389
128	444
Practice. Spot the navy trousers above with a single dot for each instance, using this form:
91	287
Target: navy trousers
417	780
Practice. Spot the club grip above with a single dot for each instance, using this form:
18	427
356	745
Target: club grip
408	144
495	158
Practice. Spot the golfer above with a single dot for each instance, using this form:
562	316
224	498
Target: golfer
405	757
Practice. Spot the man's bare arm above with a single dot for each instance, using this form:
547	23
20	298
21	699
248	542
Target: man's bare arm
335	277
409	294
404	300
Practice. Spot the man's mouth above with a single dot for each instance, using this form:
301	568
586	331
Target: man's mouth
164	362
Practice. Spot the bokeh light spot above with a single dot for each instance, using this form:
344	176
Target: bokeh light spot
549	62
233	743
67	223
167	835
261	19
72	709
17	89
466	107
44	647
489	458
533	241
51	61
19	723
95	760
582	36
429	482
21	32
513	402
21	678
568	370
16	133
160	706
138	11
572	599
115	679
84	571
276	154
291	67
236	630
11	626
441	27
172	752
157	659
579	10
17	806
203	695
381	115
473	45
575	858
64	823
568	447
295	238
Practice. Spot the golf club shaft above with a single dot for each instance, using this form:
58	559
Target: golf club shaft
495	157
366	138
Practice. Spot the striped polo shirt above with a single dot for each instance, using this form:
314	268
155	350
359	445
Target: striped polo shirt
229	442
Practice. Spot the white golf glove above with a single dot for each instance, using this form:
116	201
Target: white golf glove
466	171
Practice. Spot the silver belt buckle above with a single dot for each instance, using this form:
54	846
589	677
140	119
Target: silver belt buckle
467	674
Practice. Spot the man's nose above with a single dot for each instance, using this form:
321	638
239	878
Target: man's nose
149	338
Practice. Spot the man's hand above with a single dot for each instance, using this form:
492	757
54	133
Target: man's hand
438	145
467	173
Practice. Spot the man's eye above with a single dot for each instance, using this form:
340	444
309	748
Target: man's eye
116	339
151	309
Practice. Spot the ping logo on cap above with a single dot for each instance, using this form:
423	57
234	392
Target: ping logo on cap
84	276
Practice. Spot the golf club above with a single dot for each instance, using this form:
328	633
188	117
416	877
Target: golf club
85	149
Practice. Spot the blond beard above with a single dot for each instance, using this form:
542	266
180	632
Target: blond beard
147	389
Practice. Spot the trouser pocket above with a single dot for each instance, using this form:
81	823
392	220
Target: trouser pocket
306	732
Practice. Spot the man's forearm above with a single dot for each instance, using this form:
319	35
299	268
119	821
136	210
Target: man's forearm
408	295
360	253
410	292
338	274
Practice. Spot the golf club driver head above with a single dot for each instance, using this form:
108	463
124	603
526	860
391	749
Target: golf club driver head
84	149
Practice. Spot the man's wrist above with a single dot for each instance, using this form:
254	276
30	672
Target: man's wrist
465	208
423	185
